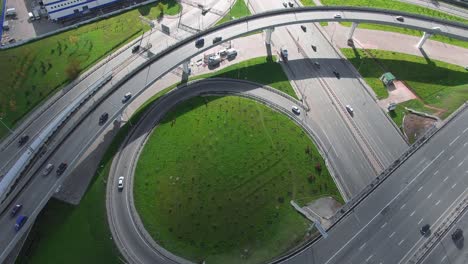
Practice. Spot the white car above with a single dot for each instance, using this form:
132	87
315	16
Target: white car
296	110
337	16
349	109
120	184
126	97
284	53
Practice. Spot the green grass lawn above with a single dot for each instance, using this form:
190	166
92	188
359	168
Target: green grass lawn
400	6
32	72
307	2
415	104
263	70
87	222
239	10
216	176
437	84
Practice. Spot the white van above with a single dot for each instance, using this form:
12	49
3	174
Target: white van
231	53
10	12
48	169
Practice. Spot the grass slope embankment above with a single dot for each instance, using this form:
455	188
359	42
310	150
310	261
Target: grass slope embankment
215	178
32	72
238	10
80	234
437	84
405	7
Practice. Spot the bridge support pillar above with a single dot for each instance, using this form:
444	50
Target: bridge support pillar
423	39
186	67
268	33
351	31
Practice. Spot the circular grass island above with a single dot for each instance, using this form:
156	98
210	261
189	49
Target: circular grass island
215	179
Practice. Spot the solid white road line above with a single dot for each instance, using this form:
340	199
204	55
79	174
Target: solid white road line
401	242
391	235
459	164
429	196
412	213
383	225
453	186
438	202
403	206
442	260
368	258
453	141
445	178
436	172
362	246
420	221
451	158
420	188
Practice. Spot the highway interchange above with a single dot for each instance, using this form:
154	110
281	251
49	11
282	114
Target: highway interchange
38	191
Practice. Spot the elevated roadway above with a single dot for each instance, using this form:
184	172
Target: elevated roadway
84	129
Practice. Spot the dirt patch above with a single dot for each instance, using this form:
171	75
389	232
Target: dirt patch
323	209
415	126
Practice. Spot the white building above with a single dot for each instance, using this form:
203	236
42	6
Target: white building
59	9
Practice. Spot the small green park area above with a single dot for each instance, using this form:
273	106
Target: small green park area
215	179
405	7
440	87
238	10
32	72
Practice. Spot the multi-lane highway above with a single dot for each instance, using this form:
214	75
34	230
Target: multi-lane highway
38	191
385	227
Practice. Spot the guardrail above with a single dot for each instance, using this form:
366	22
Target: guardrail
349	207
11	177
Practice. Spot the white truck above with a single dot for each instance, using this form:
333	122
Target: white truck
284	53
11	12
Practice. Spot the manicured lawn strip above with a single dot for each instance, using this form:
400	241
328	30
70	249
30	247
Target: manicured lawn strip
436	83
32	72
77	222
405	7
216	177
238	10
307	2
262	70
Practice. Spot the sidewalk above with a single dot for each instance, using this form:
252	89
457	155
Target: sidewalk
373	39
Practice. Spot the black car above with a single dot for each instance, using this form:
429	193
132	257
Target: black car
291	4
217	39
314	48
61	168
457	235
303	28
200	43
23	140
103	118
425	230
16	209
135	49
337	74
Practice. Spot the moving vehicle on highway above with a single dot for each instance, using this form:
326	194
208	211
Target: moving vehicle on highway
214	60
103	118
20	222
23	139
231	53
337	16
217	39
200	42
400	18
425	230
61	168
349	109
16	209
457	235
337	74
284	53
296	110
135	49
126	97
291	4
285	4
303	28
120	183
48	169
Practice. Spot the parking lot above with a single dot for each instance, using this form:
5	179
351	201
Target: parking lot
21	27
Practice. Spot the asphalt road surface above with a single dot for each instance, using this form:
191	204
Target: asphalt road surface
385	227
128	232
35	195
